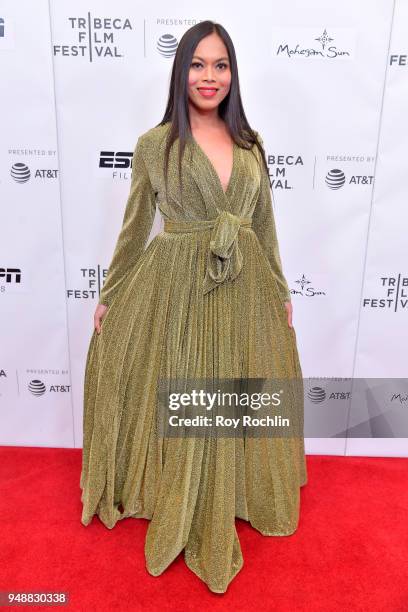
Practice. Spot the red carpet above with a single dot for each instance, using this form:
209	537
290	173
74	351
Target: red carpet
350	552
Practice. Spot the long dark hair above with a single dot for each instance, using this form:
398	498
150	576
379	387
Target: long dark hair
230	109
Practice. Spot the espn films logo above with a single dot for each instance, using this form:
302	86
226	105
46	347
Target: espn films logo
10	275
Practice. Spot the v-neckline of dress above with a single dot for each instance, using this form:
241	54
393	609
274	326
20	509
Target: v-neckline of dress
212	167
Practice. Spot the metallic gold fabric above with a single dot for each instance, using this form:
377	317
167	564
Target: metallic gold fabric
224	256
203	299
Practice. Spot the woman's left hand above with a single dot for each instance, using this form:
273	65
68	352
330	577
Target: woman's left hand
289	309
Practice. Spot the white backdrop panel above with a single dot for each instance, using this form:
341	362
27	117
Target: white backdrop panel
321	84
35	388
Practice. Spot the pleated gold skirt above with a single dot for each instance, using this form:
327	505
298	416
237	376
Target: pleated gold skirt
160	325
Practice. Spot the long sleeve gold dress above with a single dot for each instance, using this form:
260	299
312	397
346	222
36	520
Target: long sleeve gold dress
205	298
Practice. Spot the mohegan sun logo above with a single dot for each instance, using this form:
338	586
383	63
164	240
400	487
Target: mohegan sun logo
324	38
297	43
305	289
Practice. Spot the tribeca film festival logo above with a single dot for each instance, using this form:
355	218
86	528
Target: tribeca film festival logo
323	46
278	166
398	60
394	294
95	37
94	279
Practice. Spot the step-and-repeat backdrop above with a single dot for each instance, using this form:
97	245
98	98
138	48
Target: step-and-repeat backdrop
326	84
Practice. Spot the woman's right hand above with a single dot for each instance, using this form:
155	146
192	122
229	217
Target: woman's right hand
99	315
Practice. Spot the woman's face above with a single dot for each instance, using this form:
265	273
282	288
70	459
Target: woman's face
209	77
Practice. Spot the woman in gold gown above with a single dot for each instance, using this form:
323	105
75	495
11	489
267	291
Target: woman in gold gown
206	298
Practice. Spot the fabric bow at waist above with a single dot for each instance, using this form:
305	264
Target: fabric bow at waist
224	260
